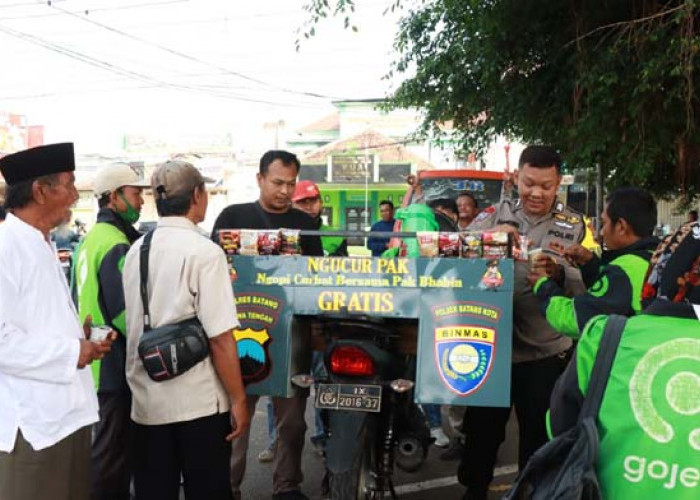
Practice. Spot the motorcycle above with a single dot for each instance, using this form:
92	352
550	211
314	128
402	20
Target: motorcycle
366	393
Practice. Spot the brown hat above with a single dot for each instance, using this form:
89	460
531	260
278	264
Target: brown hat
176	177
37	162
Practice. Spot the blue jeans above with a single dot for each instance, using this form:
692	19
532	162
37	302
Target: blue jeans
318	370
271	430
432	413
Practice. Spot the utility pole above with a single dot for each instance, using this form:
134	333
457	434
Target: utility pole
507	185
365	145
276	125
598	195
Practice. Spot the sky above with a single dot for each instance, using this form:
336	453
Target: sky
92	70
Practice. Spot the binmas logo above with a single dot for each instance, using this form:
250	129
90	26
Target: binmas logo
464	356
679	361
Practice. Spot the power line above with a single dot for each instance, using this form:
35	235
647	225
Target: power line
33	3
73	54
98	9
44	95
213	86
189	57
105	65
13	5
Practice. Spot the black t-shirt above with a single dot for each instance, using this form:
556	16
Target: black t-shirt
252	216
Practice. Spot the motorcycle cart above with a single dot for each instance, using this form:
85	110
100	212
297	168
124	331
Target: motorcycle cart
454	314
440	327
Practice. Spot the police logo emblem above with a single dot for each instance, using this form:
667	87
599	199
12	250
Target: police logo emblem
464	356
253	354
492	278
484	214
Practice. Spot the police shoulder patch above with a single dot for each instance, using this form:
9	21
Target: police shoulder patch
573	216
485	213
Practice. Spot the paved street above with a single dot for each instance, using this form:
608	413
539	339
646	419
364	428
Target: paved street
436	479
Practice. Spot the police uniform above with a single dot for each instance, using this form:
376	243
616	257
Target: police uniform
539	351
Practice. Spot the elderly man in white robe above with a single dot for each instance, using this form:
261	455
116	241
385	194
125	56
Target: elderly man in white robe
47	400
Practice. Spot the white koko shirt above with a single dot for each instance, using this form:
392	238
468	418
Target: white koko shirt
42	391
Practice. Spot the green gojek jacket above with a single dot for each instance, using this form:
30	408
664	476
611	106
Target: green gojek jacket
97	283
614	287
648	422
333	245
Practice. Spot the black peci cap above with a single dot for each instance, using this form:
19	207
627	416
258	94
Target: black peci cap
38	161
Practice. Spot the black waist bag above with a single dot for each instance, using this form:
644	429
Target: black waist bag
169	350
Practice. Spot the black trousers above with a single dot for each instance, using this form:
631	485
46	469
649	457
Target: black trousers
112	448
485	428
197	449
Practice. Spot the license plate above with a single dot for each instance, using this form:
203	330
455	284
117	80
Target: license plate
349	397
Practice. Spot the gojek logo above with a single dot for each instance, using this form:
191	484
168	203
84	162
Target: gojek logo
682	388
600	287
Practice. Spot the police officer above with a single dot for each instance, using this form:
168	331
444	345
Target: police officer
539	351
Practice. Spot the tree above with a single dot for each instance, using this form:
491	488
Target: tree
606	82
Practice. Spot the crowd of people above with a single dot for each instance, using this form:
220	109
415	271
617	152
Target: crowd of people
114	429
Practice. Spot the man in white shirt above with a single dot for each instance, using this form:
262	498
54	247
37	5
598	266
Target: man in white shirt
47	401
183	426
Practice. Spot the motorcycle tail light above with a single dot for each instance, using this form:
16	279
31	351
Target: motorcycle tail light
351	360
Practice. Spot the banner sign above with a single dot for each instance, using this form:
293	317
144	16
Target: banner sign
462	308
352	168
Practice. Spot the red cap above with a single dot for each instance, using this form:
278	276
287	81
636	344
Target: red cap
305	190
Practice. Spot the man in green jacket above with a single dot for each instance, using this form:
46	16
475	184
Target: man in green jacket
615	280
98	280
648	420
307	198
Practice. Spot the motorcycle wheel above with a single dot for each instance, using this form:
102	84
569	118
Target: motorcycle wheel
366	485
357	483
